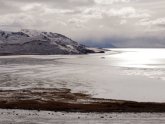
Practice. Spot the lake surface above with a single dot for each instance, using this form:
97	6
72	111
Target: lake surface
126	74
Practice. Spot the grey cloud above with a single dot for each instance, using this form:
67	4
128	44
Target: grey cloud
58	3
155	24
6	8
117	20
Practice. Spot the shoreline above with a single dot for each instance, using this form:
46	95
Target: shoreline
88	51
62	100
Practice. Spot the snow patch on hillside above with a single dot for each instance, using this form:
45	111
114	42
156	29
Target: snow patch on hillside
37	42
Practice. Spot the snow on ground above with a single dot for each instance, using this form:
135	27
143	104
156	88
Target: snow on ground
47	117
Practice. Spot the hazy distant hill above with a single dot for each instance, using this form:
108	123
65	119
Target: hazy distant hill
98	44
124	42
36	42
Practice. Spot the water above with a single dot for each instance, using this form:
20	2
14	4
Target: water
147	62
139	58
126	74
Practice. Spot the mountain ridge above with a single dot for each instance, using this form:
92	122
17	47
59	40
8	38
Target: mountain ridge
30	42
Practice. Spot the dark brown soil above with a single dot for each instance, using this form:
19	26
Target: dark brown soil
63	100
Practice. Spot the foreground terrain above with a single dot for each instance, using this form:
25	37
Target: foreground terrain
47	117
63	100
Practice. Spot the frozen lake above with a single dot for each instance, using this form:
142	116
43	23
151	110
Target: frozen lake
126	74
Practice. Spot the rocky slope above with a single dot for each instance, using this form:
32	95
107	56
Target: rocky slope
31	42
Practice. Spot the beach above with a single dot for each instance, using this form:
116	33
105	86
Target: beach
42	117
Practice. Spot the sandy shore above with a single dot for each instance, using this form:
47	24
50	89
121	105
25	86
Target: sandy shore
63	100
49	117
8	116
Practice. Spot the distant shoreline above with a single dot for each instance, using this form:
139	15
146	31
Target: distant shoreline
53	99
88	51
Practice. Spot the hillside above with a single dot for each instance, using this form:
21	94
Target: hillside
32	42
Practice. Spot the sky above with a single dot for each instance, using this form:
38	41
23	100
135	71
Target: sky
123	23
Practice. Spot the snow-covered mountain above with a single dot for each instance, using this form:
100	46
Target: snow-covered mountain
37	42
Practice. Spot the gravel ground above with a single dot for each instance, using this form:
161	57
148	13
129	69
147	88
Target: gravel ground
47	117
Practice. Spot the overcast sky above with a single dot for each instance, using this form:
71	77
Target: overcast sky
131	22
